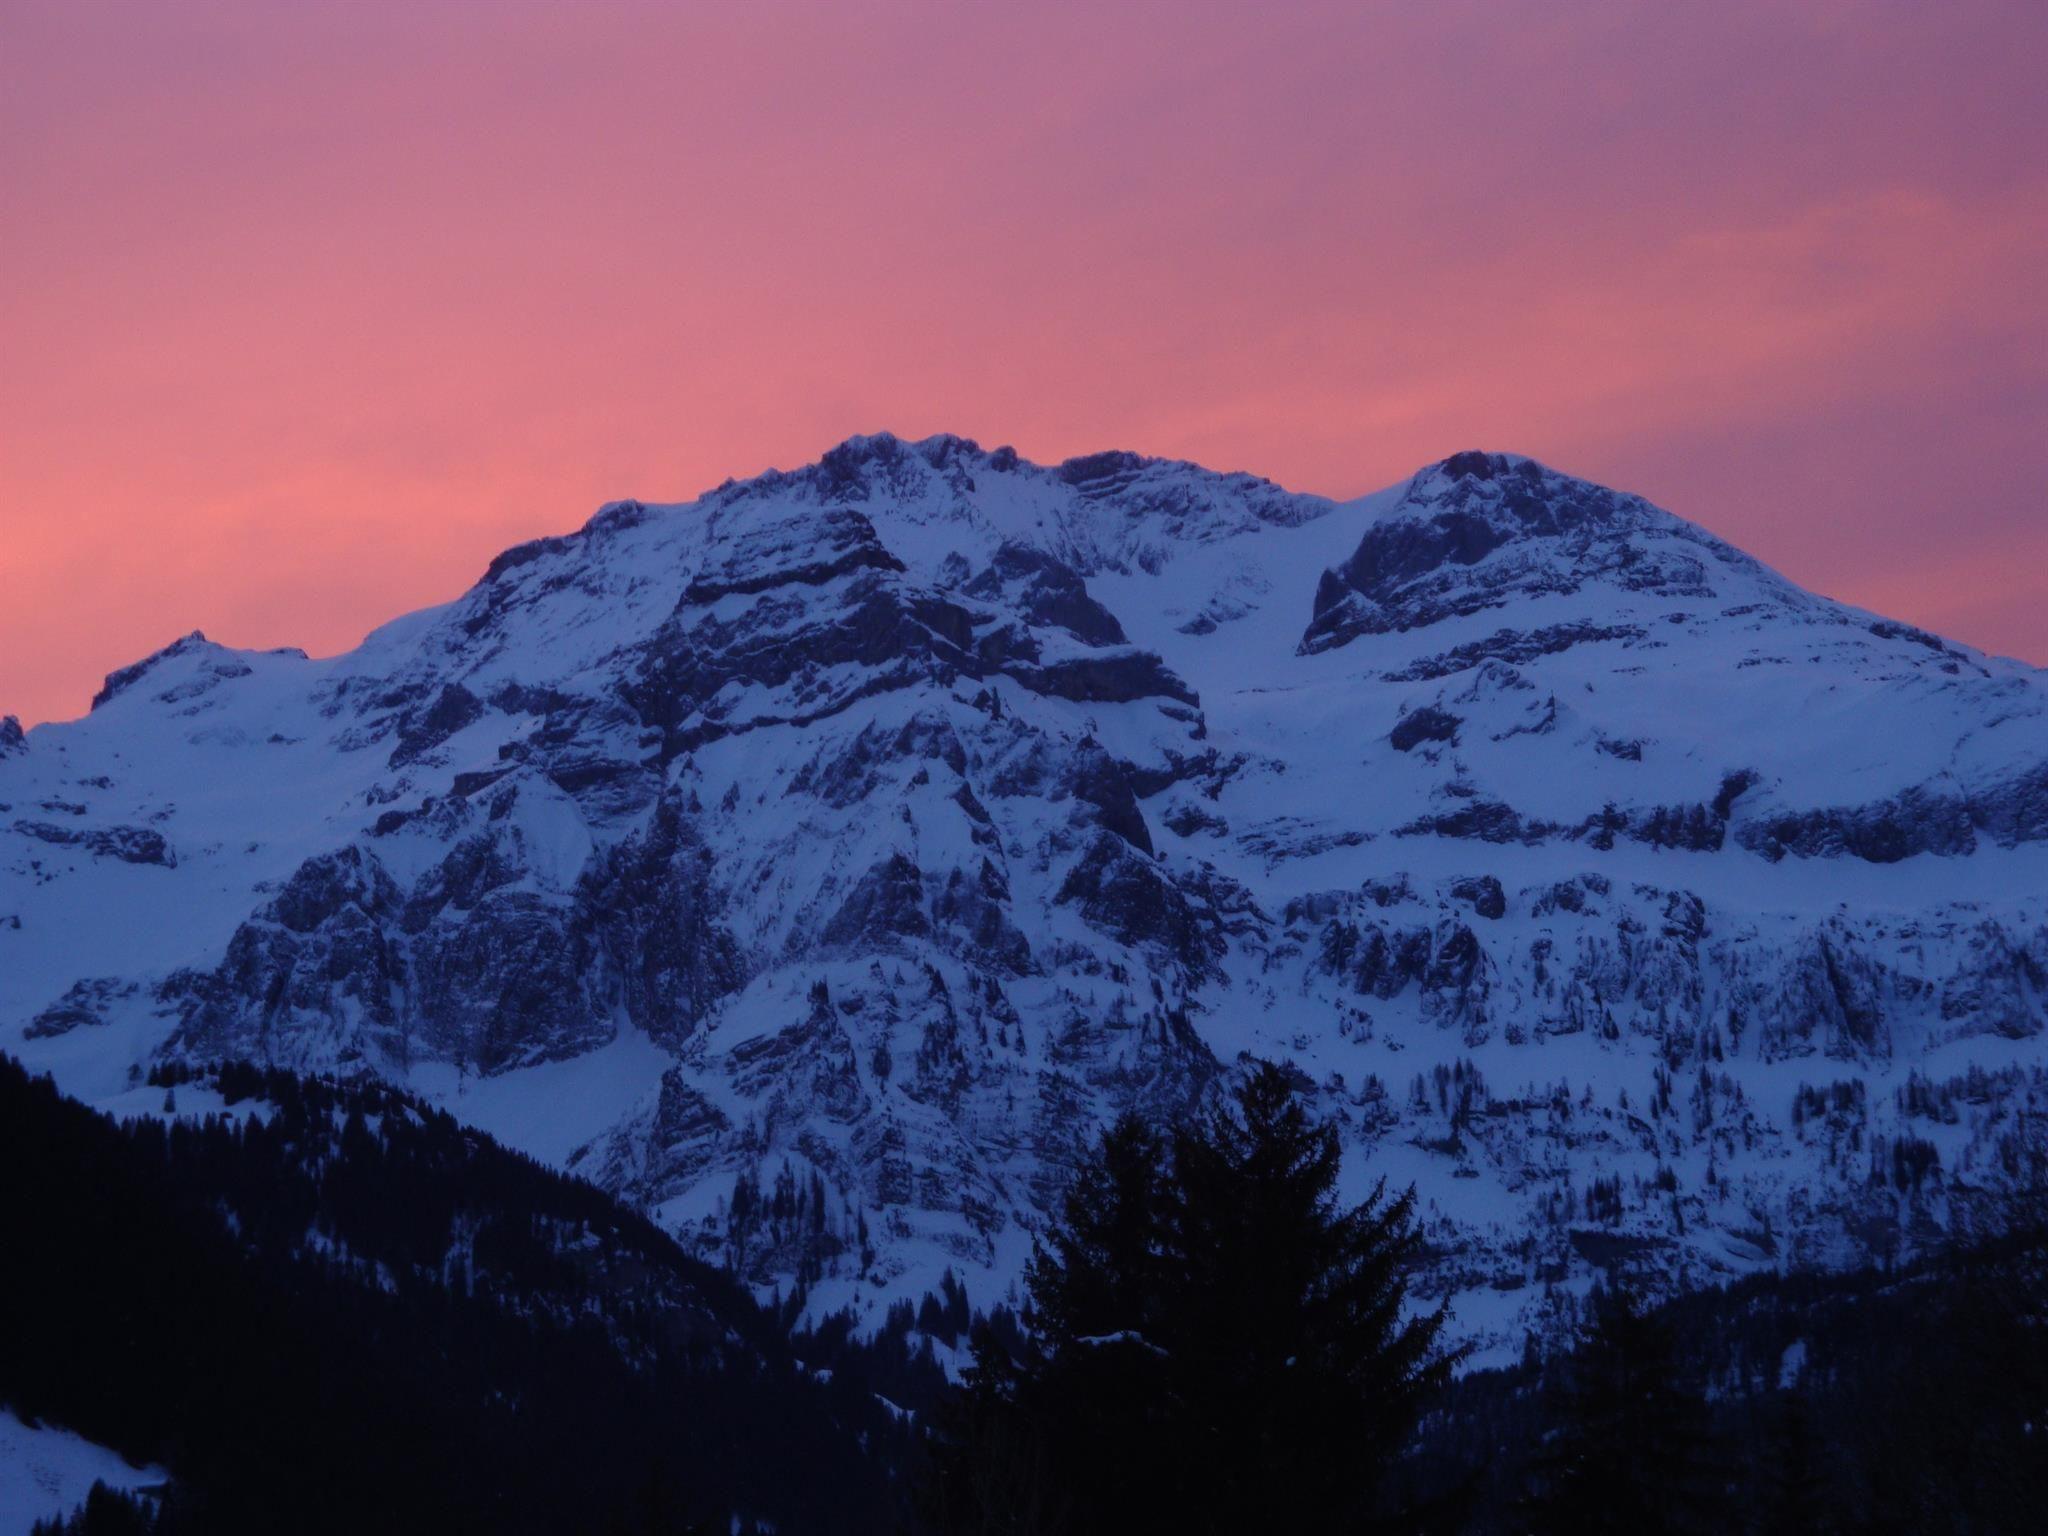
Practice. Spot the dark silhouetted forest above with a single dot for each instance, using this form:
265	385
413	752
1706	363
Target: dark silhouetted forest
333	1308
346	1312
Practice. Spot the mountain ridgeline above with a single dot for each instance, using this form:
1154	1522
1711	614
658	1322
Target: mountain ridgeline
879	832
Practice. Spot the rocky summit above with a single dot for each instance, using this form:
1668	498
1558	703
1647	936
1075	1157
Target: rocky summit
821	864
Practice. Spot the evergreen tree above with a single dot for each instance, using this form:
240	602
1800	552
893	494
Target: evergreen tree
1631	1451
1301	1373
994	1471
105	1512
1950	1421
1221	1344
1083	1425
1795	1498
1107	1270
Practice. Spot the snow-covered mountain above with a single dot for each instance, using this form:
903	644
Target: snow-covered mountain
822	862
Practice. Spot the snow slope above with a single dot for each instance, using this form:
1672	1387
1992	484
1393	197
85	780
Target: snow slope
46	1471
885	827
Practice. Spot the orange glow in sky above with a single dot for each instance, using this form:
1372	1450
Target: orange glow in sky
308	309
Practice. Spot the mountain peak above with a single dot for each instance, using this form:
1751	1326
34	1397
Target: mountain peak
1526	496
1477	530
1477	464
125	677
873	466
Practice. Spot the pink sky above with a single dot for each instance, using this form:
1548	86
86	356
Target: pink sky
309	309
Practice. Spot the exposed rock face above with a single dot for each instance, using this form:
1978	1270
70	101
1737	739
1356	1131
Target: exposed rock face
857	841
209	665
1126	896
131	845
1919	819
481	962
650	908
311	977
1661	966
1046	592
1425	724
1482	530
835	619
127	676
453	708
84	1003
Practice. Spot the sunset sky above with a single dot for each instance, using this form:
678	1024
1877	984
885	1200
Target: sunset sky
308	309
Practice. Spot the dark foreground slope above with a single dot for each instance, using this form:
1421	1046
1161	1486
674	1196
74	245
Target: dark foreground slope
324	1307
333	1309
1884	1402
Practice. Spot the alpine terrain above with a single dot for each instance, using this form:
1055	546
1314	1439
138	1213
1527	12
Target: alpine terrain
821	864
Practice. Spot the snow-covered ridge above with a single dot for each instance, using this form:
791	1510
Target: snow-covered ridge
902	817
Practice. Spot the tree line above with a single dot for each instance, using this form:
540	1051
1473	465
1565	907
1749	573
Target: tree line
1214	1337
1219	1343
346	1313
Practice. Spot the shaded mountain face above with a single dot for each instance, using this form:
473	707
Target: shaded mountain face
900	820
